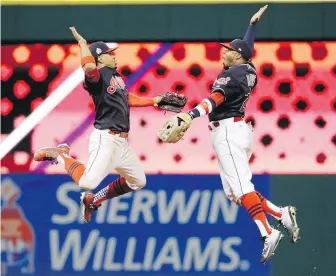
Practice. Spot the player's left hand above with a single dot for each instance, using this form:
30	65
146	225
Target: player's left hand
76	35
175	128
256	18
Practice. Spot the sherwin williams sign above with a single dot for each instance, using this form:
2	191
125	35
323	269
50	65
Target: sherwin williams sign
178	223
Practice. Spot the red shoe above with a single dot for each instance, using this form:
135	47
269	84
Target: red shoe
87	206
50	154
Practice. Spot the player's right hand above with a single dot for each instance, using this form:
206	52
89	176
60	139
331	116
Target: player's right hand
76	35
256	17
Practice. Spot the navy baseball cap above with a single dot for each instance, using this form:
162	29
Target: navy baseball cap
239	46
100	47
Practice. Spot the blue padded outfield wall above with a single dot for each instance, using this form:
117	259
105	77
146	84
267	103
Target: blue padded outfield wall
177	223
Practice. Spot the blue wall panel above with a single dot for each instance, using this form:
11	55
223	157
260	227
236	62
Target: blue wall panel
178	223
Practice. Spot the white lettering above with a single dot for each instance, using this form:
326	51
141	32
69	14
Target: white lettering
193	254
116	206
109	264
203	209
130	265
67	202
143	202
176	204
198	255
72	244
229	210
169	254
230	253
99	254
149	254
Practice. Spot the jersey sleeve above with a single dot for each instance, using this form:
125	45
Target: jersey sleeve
224	84
92	76
93	83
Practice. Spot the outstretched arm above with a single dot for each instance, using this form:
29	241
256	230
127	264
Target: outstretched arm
250	33
137	101
87	60
207	105
249	36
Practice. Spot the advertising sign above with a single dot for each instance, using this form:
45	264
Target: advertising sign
176	224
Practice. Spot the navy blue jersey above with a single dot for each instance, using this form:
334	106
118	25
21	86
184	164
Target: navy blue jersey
110	97
236	84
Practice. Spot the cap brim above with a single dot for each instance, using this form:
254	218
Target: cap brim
111	49
227	47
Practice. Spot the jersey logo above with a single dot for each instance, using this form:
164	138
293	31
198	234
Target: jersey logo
251	79
115	82
223	81
113	86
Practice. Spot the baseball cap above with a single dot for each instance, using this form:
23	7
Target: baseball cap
239	46
100	47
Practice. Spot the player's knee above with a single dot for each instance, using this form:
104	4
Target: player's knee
88	183
233	198
84	185
141	181
138	183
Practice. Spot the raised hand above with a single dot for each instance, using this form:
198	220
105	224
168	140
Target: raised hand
256	17
76	35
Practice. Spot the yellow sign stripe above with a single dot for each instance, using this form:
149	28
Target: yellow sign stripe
149	2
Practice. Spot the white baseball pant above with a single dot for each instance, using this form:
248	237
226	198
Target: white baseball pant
232	142
106	153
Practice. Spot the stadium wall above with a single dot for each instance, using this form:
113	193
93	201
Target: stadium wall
313	195
204	22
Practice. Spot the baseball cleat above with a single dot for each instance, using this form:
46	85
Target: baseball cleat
288	220
87	206
50	154
270	244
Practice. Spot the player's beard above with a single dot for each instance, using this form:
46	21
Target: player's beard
226	67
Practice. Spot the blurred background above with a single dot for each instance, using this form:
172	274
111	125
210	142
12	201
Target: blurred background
181	223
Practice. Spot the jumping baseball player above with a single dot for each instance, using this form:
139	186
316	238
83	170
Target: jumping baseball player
232	138
108	145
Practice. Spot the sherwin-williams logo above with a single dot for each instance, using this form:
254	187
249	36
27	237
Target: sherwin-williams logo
17	234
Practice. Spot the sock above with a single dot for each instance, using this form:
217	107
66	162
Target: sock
269	207
74	168
252	204
116	188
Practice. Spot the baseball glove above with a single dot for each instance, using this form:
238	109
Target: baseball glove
175	128
172	102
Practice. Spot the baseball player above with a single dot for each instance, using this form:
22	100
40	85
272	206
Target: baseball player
232	138
108	145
